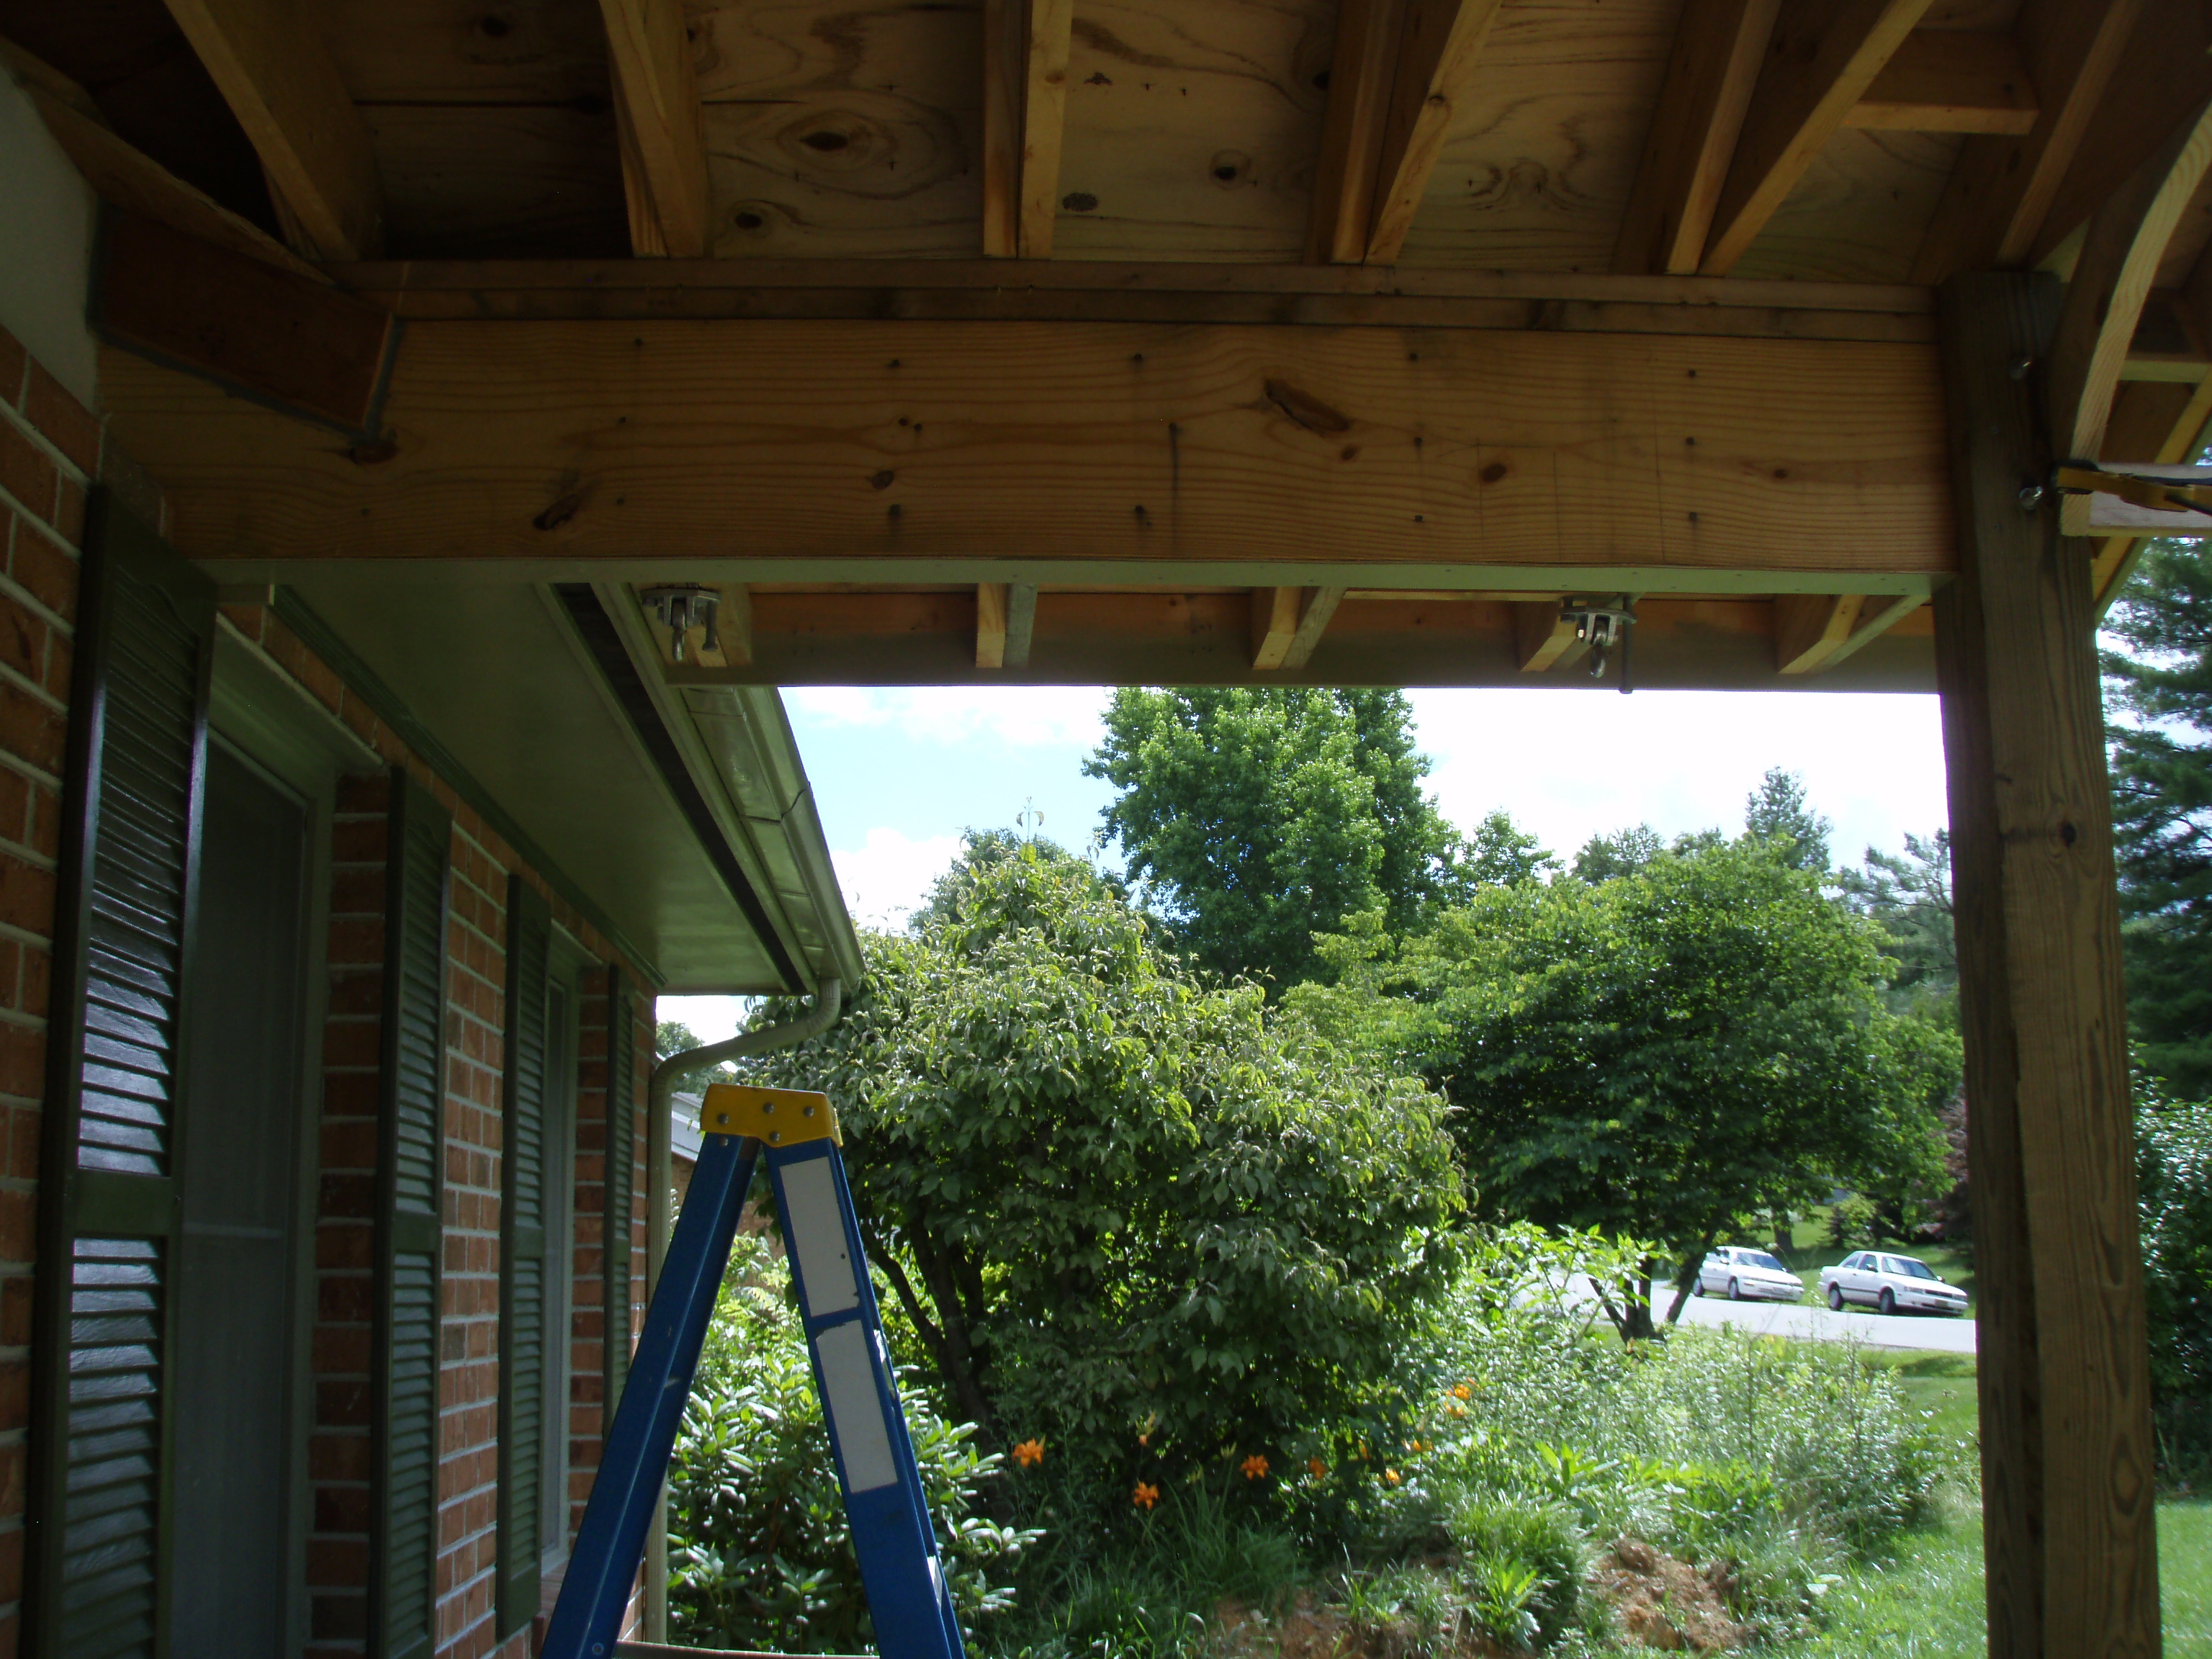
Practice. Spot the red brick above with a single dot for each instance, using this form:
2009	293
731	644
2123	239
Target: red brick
26	898
23	1143
13	360
246	619
339	1457
367	793
22	641
45	572
22	1066
348	1195
69	511
341	1352
45	821
342	1404
61	664
15	1310
339	1617
38	974
65	424
31	730
340	1245
28	473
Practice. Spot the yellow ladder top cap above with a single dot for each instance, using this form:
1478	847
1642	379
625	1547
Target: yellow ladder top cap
782	1117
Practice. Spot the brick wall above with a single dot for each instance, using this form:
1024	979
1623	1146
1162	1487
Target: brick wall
51	449
339	1459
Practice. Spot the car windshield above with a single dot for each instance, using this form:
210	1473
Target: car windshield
1760	1259
1909	1267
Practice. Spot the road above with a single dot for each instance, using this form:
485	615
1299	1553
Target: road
1811	1321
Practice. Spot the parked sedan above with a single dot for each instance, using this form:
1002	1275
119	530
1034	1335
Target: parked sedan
1893	1284
1748	1276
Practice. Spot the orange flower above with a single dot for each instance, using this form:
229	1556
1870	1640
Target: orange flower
1144	1495
1461	1391
1418	1446
1255	1466
1029	1453
1391	1476
1144	1440
1318	1467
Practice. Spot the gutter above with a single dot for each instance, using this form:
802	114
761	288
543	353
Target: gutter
660	1210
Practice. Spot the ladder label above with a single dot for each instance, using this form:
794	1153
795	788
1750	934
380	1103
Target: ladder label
854	1402
816	1226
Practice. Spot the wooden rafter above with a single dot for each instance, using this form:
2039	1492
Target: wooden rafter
2113	278
1811	627
1401	67
1719	45
1822	57
664	149
1950	81
1026	51
2002	187
1543	637
2160	413
274	70
990	624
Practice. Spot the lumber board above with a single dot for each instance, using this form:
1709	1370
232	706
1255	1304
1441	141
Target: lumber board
1950	81
248	326
501	180
276	71
2112	277
1078	441
1021	622
2002	188
1719	47
1857	213
1274	622
990	624
656	98
529	52
1025	47
2162	423
1362	74
1809	629
1819	63
1316	609
2068	1478
1439	52
1542	636
2101	514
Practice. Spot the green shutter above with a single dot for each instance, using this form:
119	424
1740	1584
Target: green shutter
128	889
522	1334
622	1178
411	1179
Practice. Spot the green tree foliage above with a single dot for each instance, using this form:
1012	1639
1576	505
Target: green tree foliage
1608	858
1116	1199
1908	897
1778	812
2161	760
1264	816
672	1036
2173	1164
1661	1055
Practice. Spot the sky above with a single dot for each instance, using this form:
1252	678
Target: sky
899	773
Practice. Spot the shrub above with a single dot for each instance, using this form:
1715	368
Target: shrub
1851	1223
1538	1540
760	1555
2173	1143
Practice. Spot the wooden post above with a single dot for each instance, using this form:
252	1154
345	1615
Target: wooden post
2067	1493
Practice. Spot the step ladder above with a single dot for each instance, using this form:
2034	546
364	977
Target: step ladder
795	1131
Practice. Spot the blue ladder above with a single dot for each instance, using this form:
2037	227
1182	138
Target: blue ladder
796	1134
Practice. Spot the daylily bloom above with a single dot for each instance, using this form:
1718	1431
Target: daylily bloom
1030	1452
1255	1466
1318	1467
1145	1495
1391	1476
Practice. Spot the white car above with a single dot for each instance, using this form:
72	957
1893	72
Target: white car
1746	1276
1893	1284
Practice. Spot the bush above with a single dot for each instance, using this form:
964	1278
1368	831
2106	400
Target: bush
760	1555
1851	1223
2174	1176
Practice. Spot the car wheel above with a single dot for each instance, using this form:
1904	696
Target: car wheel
1697	1289
1888	1301
1735	1292
1835	1297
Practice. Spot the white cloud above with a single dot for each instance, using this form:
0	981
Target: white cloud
890	874
712	1019
1025	717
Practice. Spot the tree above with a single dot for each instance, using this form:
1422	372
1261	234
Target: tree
2174	1167
1500	852
671	1036
2160	685
1908	897
1266	815
1662	1055
1607	858
1777	813
1116	1199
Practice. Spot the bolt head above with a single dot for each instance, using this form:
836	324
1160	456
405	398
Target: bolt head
2030	497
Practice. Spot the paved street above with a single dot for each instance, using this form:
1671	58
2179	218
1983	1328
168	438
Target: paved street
1811	1321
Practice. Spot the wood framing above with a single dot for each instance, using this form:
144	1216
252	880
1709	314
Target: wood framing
1025	48
1134	442
275	70
1950	81
2067	1484
1362	74
1542	636
1437	53
664	149
1811	627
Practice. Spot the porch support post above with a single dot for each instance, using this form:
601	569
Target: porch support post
2067	1458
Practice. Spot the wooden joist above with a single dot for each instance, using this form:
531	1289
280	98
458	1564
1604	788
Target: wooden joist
276	71
664	149
852	440
1287	624
1950	81
1399	67
1005	617
1820	61
1025	48
2161	410
2002	187
1543	636
1811	627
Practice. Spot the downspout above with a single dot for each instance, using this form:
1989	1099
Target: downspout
661	1211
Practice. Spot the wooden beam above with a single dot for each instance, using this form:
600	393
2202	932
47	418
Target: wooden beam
2112	277
1021	622
2068	1482
2161	421
1026	51
1274	624
1362	72
127	178
247	326
664	149
1097	441
274	70
2100	513
1437	54
1315	606
1811	627
990	624
1719	45
2000	188
1543	637
1950	81
1822	57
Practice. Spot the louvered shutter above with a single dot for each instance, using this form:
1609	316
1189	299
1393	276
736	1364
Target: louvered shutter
411	1179
522	1334
129	880
622	1177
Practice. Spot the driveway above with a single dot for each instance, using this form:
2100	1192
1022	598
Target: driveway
1812	1322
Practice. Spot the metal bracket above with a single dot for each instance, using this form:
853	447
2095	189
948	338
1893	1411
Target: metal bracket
680	609
1603	624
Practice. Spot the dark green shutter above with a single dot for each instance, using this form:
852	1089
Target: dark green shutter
522	1334
135	772
411	1180
622	1178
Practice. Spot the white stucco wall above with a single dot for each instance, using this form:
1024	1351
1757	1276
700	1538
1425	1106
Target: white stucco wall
46	215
